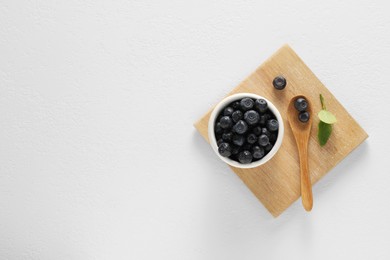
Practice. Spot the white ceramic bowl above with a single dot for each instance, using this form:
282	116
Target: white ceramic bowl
220	106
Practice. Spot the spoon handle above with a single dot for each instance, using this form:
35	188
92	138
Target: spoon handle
307	195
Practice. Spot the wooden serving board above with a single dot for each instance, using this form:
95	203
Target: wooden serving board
277	183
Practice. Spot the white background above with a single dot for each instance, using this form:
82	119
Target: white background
98	155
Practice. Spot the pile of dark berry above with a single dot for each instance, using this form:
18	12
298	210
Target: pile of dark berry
301	106
246	130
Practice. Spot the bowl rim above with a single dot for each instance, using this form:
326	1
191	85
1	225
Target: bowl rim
213	142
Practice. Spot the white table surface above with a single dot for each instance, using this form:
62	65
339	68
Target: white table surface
98	155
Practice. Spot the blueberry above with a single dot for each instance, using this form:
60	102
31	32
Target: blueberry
300	104
238	140
279	82
235	105
226	122
264	118
258	152
219	142
236	116
227	136
225	149
256	130
265	131
228	111
268	147
263	140
272	124
261	105
218	128
273	137
251	117
251	138
304	116
235	149
245	157
246	103
240	127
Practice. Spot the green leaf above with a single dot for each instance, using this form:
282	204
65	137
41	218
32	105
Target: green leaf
327	117
324	131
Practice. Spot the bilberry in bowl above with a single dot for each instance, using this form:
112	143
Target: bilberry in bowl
245	130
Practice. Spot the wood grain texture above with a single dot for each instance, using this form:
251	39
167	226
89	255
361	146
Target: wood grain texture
277	183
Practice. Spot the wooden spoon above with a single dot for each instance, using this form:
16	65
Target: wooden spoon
301	133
